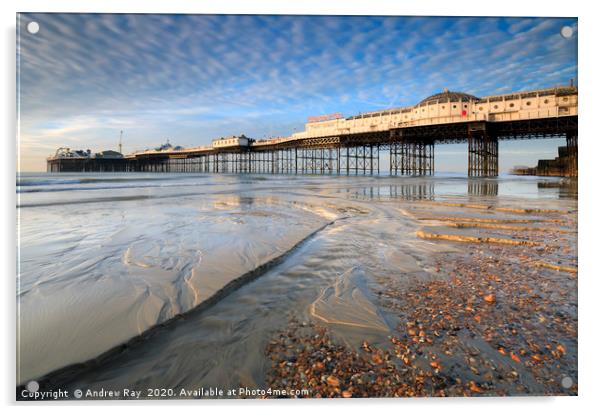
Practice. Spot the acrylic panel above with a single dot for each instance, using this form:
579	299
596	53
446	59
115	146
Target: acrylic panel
267	206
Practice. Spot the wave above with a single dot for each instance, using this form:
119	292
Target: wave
61	189
145	196
46	181
102	200
111	187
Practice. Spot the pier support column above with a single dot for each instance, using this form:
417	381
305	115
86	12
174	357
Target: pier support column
248	162
287	161
572	159
291	163
273	162
412	156
318	160
362	159
482	152
222	163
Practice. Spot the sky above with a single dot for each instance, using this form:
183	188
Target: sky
82	78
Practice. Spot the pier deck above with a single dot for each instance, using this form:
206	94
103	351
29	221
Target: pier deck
353	145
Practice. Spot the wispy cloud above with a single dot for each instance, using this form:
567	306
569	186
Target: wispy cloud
194	77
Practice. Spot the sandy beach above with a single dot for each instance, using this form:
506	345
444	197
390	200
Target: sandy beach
497	318
341	286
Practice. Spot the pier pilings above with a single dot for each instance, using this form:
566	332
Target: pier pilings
410	147
411	156
572	159
482	152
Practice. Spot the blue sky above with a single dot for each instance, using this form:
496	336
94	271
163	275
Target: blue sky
191	78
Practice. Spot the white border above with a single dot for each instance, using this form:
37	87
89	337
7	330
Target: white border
590	153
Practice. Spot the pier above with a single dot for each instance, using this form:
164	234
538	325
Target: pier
332	144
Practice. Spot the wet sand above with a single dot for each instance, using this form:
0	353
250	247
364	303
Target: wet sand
381	269
497	318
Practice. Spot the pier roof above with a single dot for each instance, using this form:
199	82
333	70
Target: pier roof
448	96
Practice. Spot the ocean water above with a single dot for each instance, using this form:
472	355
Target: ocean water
195	271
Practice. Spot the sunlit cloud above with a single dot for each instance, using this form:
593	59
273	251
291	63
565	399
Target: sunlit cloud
192	78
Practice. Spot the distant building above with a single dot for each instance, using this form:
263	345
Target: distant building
168	147
164	147
65	152
108	154
233	141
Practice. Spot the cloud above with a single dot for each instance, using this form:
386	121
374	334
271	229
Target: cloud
195	77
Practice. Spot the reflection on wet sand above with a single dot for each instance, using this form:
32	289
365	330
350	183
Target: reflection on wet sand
349	247
566	188
482	188
419	191
487	321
